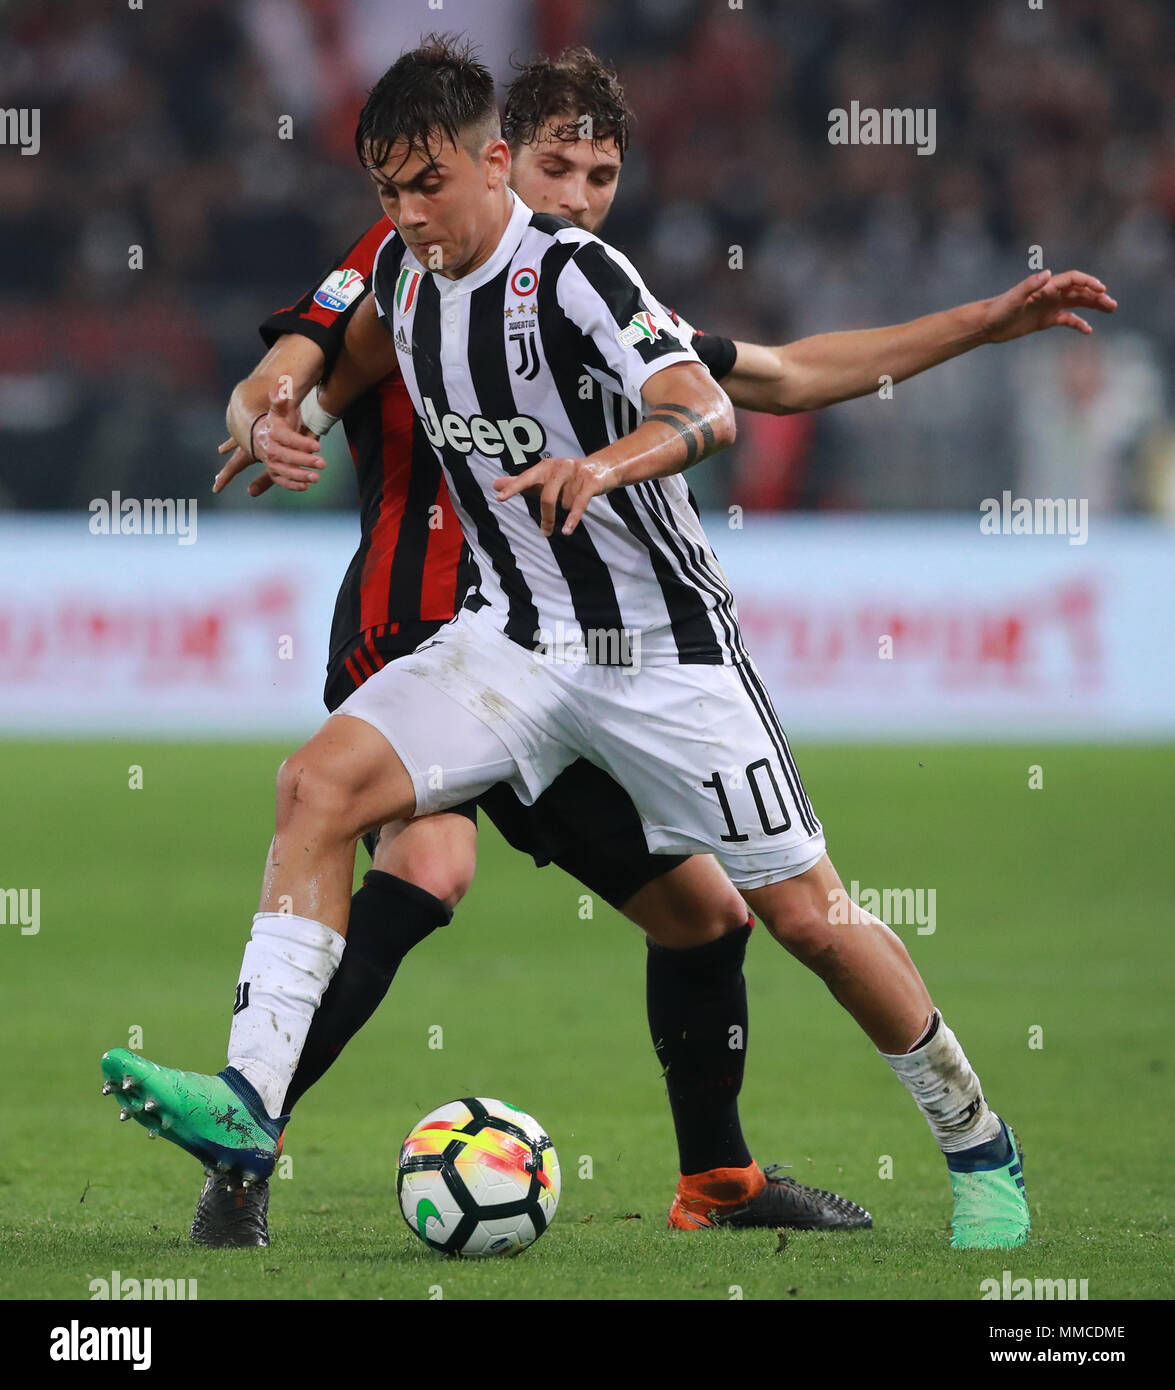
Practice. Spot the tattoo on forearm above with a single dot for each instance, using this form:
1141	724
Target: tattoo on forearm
688	433
695	419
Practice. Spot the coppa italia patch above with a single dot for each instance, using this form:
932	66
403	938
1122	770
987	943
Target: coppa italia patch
641	326
340	288
523	282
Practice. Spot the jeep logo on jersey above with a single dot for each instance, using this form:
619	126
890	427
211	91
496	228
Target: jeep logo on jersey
340	288
522	438
640	326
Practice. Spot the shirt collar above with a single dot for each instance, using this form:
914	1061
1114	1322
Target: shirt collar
502	255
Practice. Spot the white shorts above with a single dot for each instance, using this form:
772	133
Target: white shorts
699	749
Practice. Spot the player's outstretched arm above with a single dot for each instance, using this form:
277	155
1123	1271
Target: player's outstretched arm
820	371
259	435
368	356
288	373
690	417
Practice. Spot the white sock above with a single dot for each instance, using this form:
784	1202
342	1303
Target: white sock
288	964
946	1090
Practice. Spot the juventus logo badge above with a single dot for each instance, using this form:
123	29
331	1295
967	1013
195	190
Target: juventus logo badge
528	365
242	1000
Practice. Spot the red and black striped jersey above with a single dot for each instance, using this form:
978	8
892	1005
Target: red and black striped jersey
412	568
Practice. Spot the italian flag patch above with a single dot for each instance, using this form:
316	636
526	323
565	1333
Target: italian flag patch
406	287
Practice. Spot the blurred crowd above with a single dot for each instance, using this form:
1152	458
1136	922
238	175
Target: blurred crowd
164	129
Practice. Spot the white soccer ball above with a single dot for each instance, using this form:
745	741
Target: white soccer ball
478	1177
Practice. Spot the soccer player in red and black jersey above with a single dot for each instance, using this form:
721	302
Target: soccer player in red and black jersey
409	575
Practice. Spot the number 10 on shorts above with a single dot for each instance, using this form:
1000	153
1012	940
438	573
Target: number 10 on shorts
759	779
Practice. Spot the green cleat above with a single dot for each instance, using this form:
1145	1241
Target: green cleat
991	1210
218	1119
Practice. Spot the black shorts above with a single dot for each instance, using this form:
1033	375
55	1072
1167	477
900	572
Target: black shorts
584	822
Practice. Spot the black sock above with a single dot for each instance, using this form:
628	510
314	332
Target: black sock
695	998
388	917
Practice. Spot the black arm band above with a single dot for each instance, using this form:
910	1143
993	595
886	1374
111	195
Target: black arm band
718	354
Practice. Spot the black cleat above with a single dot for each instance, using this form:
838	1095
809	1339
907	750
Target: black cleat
231	1214
786	1202
782	1203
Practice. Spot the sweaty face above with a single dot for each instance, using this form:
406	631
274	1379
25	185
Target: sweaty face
575	179
445	206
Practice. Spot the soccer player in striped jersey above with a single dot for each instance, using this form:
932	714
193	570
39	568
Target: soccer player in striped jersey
709	607
406	578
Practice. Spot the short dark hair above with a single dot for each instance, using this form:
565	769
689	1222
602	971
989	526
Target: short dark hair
436	90
575	84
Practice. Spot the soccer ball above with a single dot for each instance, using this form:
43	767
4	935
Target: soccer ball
478	1177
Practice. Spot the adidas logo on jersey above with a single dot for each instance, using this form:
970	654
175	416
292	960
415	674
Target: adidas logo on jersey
521	437
402	343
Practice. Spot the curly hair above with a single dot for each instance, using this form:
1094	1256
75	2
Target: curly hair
573	85
437	90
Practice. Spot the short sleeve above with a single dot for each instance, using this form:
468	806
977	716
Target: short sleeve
603	295
322	313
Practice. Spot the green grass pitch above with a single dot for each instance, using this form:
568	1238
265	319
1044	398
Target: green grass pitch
1052	913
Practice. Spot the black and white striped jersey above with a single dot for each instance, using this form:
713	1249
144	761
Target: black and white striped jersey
542	352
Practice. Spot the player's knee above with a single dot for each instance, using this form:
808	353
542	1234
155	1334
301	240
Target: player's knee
716	919
288	776
446	877
690	905
445	871
310	793
804	928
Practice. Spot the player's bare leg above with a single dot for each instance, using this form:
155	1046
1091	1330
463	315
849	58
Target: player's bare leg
348	778
865	965
420	871
437	853
870	973
697	927
690	905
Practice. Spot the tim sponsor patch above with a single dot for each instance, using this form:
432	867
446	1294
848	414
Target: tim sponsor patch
340	289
